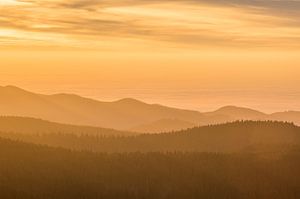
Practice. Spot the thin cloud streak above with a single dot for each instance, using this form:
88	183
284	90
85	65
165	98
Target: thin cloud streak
171	23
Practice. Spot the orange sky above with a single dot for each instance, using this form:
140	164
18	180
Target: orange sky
196	54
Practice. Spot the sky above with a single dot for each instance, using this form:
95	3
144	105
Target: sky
194	54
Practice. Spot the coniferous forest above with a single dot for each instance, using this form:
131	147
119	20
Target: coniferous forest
178	165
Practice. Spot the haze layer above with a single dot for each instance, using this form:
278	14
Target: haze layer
195	54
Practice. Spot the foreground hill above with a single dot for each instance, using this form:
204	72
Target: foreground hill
35	172
125	114
32	126
226	138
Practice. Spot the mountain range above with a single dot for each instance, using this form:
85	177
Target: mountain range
125	114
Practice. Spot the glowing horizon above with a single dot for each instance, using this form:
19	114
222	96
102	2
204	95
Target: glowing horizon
245	53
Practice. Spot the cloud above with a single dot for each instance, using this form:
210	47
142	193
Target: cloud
172	23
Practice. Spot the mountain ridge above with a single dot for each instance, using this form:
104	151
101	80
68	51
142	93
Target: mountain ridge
123	114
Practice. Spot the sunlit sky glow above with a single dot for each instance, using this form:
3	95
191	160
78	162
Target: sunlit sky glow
162	51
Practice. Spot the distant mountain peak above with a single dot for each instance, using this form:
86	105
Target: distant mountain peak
130	101
236	108
11	87
15	89
229	107
238	113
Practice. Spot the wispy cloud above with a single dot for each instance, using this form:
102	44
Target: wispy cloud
100	24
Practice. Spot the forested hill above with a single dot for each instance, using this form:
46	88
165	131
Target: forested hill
231	137
34	172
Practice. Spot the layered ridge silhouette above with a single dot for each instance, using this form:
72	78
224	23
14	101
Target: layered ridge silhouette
33	126
243	159
37	172
125	114
225	138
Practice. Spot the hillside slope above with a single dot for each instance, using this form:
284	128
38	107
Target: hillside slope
32	126
36	172
225	138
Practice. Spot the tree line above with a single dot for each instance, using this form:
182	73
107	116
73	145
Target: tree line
30	171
